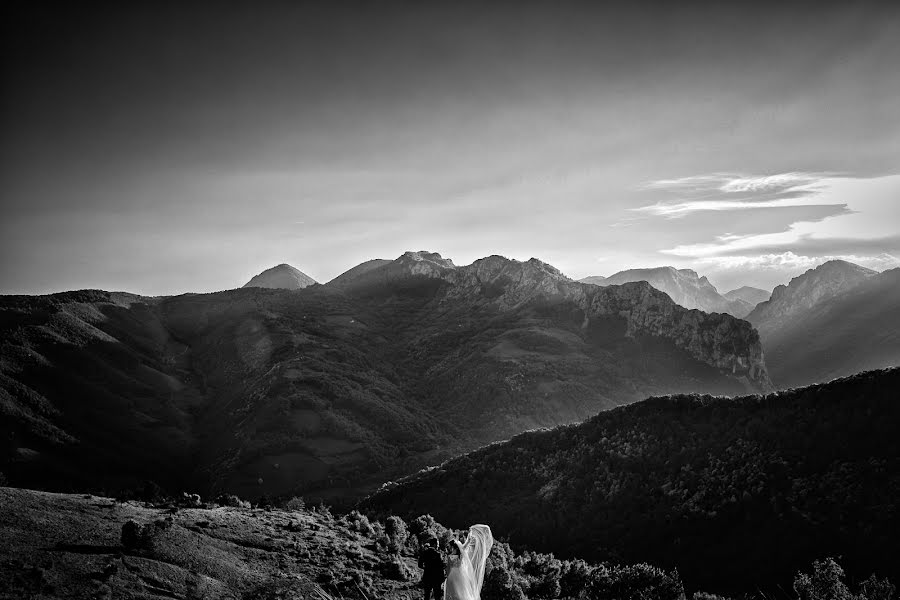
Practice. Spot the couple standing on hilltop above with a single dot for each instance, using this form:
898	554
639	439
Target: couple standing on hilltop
463	568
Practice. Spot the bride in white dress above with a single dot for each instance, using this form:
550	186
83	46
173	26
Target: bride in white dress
465	564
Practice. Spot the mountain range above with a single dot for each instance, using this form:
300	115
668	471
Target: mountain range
733	492
687	289
831	321
750	295
330	389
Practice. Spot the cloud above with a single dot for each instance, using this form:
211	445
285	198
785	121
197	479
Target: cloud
686	208
736	183
727	191
791	261
862	222
768	270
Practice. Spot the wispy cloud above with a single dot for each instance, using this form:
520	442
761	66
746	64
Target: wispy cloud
792	261
864	217
685	208
736	183
729	191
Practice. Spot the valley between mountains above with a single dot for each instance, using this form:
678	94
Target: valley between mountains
600	420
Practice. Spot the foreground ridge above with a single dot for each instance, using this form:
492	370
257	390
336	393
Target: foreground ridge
720	488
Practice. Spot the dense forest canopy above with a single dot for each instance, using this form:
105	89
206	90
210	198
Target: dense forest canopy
733	492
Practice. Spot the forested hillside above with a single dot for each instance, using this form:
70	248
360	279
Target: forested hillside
731	492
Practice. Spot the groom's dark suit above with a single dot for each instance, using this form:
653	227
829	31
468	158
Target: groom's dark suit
432	563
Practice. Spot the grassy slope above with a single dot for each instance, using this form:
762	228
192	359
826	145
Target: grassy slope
68	547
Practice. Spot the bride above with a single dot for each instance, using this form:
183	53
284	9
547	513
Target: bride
465	564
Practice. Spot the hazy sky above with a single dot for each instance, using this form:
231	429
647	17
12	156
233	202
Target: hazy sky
169	149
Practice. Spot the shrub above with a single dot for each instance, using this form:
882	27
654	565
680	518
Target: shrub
876	589
574	578
359	522
231	500
826	582
296	503
136	537
424	527
502	584
397	533
131	535
151	492
634	582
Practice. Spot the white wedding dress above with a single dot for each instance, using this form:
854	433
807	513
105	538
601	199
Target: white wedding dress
466	572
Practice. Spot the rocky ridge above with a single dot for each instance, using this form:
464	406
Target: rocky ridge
684	286
805	291
717	339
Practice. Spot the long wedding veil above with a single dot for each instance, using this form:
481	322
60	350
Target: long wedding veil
475	552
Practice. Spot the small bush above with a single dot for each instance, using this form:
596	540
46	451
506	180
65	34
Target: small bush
141	538
397	533
359	522
574	578
231	500
502	584
634	582
827	583
874	588
424	527
295	503
131	535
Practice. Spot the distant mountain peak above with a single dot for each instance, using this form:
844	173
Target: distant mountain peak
593	280
750	295
685	286
282	276
807	290
425	256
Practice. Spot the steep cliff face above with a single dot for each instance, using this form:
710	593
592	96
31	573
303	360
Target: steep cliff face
718	339
806	291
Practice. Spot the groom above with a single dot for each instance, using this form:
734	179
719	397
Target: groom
432	563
